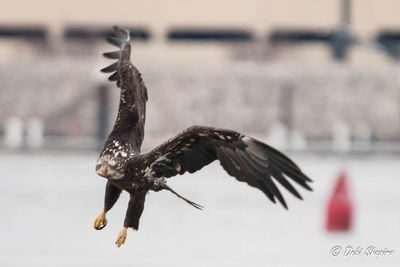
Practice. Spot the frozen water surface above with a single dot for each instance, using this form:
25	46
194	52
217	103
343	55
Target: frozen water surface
48	203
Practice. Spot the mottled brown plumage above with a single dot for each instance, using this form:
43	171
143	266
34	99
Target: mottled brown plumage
243	157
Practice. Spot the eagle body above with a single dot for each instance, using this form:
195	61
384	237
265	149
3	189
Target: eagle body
126	169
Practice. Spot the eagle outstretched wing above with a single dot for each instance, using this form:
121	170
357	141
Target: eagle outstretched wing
243	157
132	107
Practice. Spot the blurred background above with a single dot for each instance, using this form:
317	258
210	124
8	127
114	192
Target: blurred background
319	80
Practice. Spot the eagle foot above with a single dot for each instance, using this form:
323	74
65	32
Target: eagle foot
121	237
100	222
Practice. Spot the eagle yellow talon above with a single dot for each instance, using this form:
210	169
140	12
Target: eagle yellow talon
100	222
121	237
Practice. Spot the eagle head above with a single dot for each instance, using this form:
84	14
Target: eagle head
109	166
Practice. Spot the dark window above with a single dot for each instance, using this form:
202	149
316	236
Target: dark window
390	40
32	33
296	36
91	34
198	34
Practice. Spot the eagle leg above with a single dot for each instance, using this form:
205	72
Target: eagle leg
121	237
111	196
133	213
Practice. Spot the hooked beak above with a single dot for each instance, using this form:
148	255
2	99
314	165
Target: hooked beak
103	170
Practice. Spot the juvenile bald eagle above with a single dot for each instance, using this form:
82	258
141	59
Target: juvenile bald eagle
125	168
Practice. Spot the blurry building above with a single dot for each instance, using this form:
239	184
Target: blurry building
246	65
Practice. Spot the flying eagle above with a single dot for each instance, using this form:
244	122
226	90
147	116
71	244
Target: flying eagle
125	168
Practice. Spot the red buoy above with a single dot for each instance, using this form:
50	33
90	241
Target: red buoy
340	208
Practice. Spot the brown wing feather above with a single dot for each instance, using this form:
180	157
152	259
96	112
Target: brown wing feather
243	157
129	124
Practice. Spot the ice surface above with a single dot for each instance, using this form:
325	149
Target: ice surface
48	203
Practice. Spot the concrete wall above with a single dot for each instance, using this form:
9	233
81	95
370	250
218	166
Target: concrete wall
236	95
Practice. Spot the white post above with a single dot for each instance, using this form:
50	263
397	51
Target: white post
13	136
278	136
297	141
34	133
341	138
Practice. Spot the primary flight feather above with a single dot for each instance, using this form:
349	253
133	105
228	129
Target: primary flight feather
125	168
